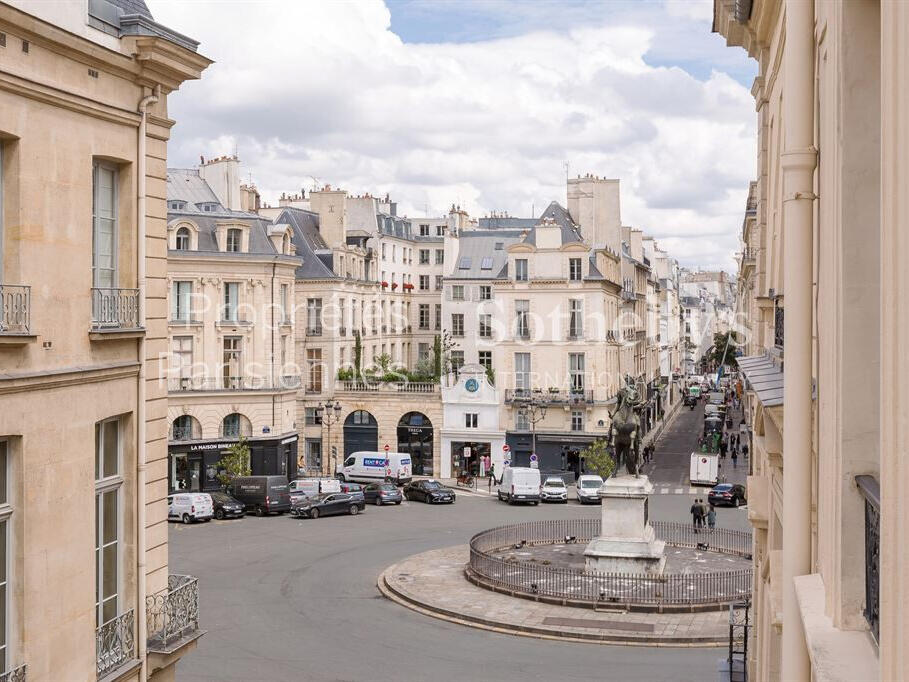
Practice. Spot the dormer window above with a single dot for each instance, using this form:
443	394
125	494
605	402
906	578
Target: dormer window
183	239
234	236
176	205
285	244
208	206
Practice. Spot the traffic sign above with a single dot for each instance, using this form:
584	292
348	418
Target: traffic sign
506	448
533	457
387	448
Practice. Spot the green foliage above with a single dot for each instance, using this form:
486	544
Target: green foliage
346	374
437	357
597	459
491	376
721	354
358	355
235	463
382	363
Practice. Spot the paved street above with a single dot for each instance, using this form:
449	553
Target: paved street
287	599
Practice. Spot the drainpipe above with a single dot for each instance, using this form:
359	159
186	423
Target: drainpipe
799	161
141	466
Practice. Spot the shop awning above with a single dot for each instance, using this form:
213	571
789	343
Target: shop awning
764	377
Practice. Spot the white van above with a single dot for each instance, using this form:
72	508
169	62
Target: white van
705	468
301	488
368	466
520	484
189	507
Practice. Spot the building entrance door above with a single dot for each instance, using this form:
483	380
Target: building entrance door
415	438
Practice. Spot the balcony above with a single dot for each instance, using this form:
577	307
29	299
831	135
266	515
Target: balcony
313	331
15	310
778	325
628	295
230	383
14	674
115	645
386	387
749	254
172	615
115	312
557	397
575	334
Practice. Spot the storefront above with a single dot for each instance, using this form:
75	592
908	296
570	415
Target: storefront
415	437
193	465
473	457
557	453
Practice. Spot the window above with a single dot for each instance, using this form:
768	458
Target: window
576	371
231	368
176	205
422	352
182	295
6	511
485	326
577	420
285	303
574	269
361	418
464	263
182	353
314	316
438	282
183	239
457	360
424	232
440	230
457	292
485	292
232	426
438	316
424	316
424	256
470	420
522	318
108	482
520	270
440	256
234	236
457	324
104	226
521	422
499	246
314	453
575	318
383	256
522	371
314	358
313	416
485	358
424	282
231	299
486	263
183	428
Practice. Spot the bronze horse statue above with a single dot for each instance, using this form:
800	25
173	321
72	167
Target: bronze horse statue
625	430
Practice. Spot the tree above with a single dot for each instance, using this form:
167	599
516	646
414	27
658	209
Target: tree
358	355
234	463
724	347
437	357
597	459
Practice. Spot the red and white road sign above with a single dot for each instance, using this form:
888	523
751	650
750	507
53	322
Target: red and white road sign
387	448
506	448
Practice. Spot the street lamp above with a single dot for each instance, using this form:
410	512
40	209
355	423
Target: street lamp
330	413
534	410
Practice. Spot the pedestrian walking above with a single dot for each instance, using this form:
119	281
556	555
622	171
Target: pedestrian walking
492	476
696	518
735	459
711	517
723	449
745	450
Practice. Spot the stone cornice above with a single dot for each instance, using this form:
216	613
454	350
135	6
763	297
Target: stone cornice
67	376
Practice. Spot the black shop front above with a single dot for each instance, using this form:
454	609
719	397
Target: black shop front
557	453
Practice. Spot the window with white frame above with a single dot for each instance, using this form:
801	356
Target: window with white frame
424	232
576	371
231	301
520	270
438	282
438	316
485	326
457	292
104	226
522	318
424	256
6	512
108	519
457	360
457	324
181	348
522	371
423	353
577	420
285	303
183	239
232	367
485	292
521	421
574	269
424	316
314	316
424	282
471	419
440	256
234	239
575	318
181	296
485	358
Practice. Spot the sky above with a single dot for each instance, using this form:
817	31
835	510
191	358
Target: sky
487	104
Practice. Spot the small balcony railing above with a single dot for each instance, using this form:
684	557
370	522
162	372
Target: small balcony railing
556	397
749	254
778	326
628	295
15	309
172	615
14	674
230	383
115	643
314	331
387	386
115	308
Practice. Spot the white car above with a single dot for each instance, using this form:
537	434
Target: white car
189	507
553	490
587	488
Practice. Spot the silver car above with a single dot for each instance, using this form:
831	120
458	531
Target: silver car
587	488
553	490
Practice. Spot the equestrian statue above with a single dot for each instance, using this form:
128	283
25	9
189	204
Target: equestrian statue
625	432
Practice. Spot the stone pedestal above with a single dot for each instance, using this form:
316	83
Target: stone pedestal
627	542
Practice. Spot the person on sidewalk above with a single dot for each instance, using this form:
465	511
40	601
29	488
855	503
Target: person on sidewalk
735	458
711	517
492	476
696	518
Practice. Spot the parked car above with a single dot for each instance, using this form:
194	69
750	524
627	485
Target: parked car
382	493
520	484
300	488
554	490
353	489
189	507
430	491
731	494
226	507
587	488
328	504
370	466
262	494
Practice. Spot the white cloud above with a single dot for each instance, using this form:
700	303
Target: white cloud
326	90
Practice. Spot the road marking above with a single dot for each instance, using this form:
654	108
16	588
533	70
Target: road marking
678	491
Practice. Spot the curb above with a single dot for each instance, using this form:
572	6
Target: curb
392	594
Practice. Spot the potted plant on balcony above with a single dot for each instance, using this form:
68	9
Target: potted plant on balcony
384	285
394	285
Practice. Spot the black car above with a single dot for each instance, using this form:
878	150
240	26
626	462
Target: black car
382	493
327	504
226	507
353	489
731	494
429	491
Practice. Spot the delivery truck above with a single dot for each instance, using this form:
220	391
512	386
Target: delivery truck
705	468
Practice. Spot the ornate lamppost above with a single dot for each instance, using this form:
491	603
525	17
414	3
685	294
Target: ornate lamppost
330	413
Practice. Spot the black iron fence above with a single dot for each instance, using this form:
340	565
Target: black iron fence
172	613
597	588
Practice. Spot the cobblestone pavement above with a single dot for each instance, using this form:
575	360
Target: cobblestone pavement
433	582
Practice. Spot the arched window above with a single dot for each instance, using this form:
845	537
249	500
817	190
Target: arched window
235	425
185	428
183	239
285	245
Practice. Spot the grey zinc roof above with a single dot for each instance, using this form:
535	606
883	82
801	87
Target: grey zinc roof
308	242
185	184
476	245
554	211
259	243
764	377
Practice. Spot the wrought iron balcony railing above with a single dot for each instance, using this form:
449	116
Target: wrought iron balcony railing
14	674
778	326
115	643
172	614
115	308
15	308
314	331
